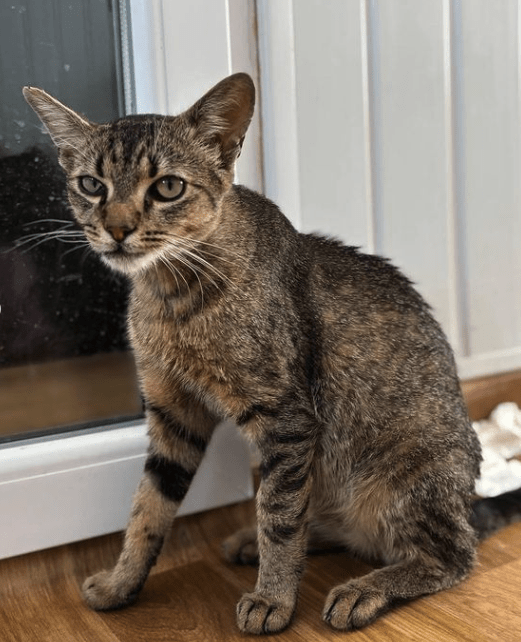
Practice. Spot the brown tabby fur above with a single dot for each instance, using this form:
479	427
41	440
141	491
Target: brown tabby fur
326	358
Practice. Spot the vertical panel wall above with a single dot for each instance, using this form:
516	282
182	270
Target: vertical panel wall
406	115
330	93
492	217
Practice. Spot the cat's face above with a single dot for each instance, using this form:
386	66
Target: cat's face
144	188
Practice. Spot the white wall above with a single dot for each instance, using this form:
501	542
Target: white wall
405	139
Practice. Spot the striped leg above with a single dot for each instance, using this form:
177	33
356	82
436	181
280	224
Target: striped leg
176	449
282	504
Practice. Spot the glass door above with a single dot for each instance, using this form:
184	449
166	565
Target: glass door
64	360
66	375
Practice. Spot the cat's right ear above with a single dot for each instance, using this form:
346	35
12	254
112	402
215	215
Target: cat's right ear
224	113
66	128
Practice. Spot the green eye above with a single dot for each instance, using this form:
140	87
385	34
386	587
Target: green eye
91	186
168	188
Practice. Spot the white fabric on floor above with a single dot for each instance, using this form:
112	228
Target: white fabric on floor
500	437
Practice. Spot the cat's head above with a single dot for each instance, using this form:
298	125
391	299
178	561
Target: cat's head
141	185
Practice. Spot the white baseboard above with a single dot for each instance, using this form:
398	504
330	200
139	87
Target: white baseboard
489	363
67	488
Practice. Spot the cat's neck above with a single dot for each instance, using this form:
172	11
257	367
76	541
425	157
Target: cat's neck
182	273
188	283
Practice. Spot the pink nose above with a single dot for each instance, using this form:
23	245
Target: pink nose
118	232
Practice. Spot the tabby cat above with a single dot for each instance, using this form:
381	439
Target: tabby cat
326	358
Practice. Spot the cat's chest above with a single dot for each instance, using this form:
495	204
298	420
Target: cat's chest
157	329
221	355
197	353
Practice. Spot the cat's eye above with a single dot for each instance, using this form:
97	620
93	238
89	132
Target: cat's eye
168	188
91	186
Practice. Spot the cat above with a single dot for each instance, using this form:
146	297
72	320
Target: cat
326	358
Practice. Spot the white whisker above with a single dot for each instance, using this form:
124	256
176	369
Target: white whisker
52	234
193	246
206	264
55	234
49	220
186	249
197	242
78	246
187	264
218	247
174	273
182	252
37	238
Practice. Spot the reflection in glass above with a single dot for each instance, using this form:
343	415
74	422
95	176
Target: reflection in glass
63	357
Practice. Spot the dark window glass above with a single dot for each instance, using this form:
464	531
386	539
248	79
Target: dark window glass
63	349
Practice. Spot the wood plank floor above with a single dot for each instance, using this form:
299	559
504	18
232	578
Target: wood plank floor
191	594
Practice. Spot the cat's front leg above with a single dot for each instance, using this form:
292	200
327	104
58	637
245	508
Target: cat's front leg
282	506
176	448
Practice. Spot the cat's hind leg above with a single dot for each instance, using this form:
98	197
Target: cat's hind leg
177	445
359	602
437	551
242	547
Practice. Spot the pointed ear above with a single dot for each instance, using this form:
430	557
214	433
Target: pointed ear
223	114
67	128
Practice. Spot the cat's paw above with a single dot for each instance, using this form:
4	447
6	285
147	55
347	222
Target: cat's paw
259	614
354	605
103	593
242	547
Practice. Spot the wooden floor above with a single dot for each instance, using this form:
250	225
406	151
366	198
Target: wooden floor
483	394
191	593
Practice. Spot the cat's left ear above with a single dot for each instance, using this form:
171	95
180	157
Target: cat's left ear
68	129
224	113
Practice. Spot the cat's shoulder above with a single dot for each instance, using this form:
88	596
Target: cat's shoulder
255	203
262	217
333	252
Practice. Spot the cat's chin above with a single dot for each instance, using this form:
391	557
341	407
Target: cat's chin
129	264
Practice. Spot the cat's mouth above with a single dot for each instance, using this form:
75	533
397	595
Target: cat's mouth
120	250
121	254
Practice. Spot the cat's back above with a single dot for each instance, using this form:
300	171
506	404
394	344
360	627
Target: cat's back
366	279
368	296
381	347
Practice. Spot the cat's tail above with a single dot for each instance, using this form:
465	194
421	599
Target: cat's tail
493	513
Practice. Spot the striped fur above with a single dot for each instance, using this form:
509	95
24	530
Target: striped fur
326	358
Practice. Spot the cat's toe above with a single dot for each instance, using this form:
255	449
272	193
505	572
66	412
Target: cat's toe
242	547
102	593
353	606
263	615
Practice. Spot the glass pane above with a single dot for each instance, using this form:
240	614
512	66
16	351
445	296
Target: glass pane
63	351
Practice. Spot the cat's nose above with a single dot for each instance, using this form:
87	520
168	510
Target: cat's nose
119	232
120	220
